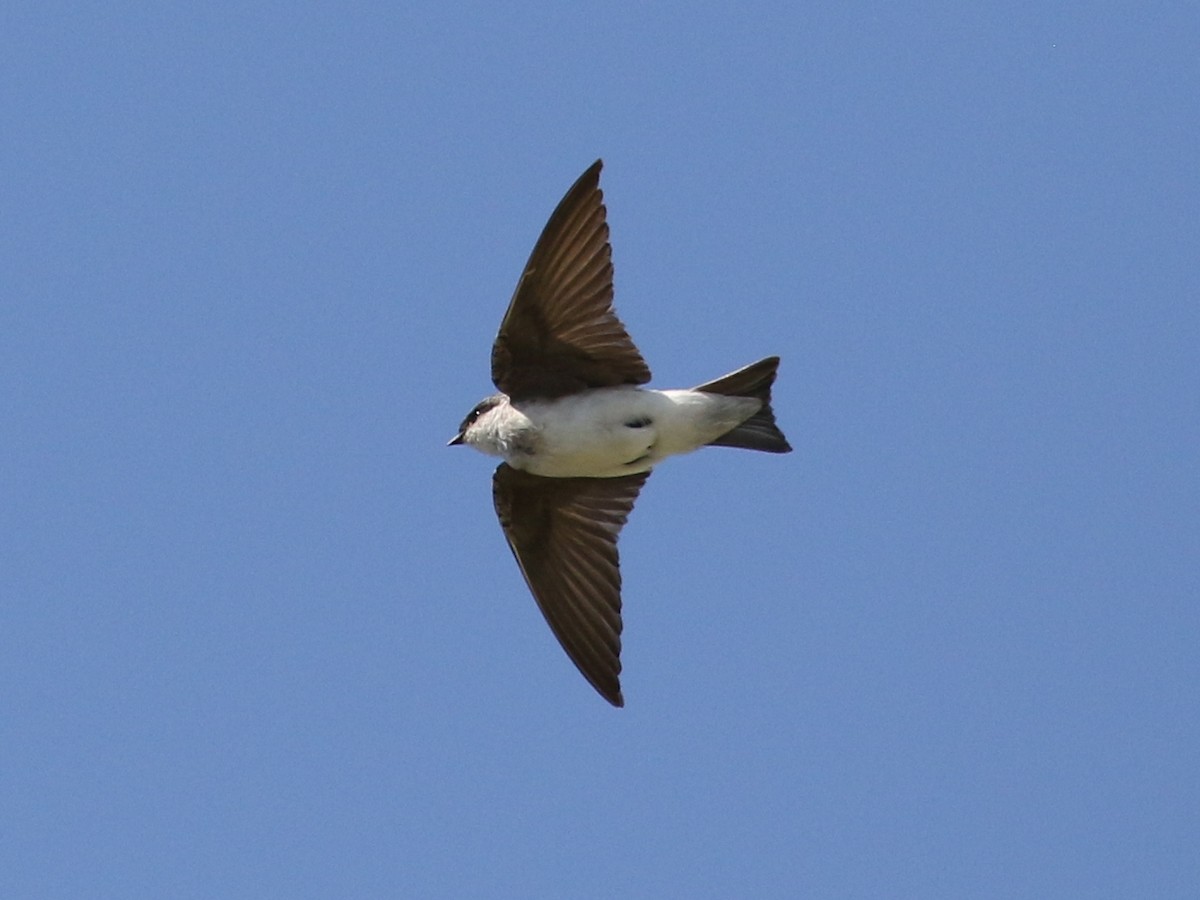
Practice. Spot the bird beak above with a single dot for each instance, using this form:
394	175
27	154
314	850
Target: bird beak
456	440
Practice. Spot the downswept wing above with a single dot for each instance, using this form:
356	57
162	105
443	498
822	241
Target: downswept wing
561	334
563	533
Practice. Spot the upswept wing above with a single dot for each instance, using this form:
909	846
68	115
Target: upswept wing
561	334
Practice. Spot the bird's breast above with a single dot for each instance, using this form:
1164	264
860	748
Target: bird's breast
596	434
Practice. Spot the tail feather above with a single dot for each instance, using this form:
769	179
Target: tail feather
759	432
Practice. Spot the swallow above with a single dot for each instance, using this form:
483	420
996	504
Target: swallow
579	434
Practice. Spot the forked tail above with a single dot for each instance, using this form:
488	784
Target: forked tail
759	432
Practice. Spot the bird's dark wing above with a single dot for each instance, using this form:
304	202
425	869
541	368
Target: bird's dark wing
563	533
560	334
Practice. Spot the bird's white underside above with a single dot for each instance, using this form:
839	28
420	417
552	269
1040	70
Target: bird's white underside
605	432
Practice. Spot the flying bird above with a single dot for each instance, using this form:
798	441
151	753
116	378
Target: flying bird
579	436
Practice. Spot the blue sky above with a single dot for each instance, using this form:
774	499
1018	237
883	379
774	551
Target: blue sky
260	635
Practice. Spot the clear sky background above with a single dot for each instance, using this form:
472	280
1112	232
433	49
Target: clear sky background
260	635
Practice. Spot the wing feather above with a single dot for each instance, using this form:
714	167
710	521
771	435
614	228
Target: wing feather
563	533
561	334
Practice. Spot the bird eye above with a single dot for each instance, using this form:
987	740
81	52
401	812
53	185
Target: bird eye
473	416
